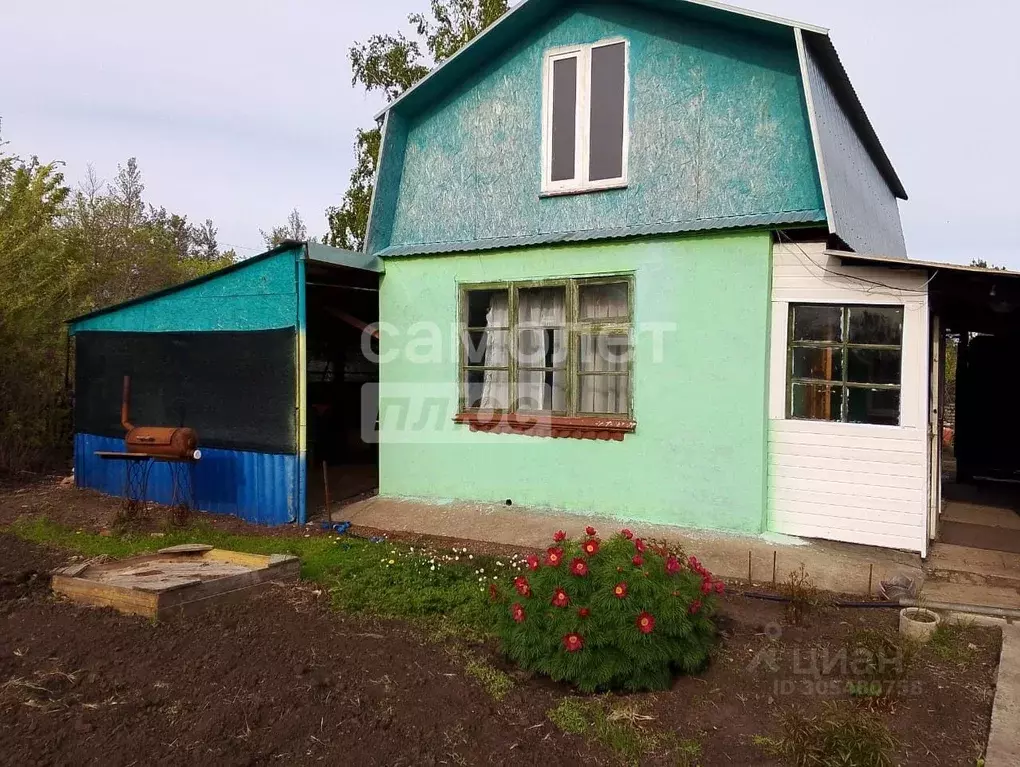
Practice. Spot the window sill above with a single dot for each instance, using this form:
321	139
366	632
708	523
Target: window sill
537	425
581	190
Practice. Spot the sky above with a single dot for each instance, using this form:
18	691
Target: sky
241	111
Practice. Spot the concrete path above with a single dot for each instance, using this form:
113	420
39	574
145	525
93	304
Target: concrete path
832	566
973	576
1004	736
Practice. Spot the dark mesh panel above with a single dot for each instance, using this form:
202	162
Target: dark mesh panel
236	389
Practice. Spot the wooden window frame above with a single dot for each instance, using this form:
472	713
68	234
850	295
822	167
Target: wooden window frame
845	347
582	120
570	422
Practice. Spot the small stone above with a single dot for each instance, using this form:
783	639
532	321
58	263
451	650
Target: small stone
971	646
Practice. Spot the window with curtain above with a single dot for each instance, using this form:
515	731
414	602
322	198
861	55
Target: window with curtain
844	363
558	348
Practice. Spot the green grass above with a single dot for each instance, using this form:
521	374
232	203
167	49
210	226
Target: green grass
442	592
948	644
617	729
496	683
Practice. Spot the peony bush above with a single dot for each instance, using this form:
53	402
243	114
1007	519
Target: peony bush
609	614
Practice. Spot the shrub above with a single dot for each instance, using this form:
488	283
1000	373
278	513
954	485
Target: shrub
609	614
801	593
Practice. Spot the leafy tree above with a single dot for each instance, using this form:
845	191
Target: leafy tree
391	64
294	229
62	253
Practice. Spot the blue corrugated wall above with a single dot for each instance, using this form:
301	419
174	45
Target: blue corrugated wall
258	487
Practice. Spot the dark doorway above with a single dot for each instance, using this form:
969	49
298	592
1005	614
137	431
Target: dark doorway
342	379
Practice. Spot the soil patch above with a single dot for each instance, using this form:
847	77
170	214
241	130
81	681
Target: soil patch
286	677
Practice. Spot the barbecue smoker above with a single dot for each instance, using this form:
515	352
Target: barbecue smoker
165	441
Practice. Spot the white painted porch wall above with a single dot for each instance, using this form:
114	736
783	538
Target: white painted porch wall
859	483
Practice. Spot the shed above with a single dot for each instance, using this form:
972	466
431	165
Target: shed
266	359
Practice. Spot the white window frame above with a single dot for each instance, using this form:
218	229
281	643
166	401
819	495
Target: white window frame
582	119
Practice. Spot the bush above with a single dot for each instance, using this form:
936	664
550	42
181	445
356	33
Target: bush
615	614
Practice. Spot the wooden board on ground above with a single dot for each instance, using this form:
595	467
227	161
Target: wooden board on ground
174	582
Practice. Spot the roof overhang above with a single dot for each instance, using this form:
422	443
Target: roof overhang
966	298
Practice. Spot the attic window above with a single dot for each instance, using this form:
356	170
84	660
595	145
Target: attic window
584	118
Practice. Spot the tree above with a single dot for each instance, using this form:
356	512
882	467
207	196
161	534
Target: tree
63	253
294	229
391	64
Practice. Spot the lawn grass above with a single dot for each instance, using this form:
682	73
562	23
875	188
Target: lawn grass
617	729
444	592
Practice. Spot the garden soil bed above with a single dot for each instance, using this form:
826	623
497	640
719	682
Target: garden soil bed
285	678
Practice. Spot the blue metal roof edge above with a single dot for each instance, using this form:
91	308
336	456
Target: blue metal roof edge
588	235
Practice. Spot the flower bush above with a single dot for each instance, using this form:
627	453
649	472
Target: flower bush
620	613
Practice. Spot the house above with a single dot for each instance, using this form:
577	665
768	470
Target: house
623	251
637	258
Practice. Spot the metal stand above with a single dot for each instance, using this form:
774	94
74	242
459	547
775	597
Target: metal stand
136	483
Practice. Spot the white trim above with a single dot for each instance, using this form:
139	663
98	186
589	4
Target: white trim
582	119
761	16
816	137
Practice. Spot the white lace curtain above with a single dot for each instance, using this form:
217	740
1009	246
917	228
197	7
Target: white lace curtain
542	343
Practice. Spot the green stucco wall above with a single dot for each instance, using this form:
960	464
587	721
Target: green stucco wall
260	295
718	128
698	455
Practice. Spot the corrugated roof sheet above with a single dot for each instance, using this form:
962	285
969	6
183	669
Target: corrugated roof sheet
646	230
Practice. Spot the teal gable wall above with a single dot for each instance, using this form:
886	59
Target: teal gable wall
260	295
718	128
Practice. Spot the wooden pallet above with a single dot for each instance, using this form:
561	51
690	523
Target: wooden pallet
174	582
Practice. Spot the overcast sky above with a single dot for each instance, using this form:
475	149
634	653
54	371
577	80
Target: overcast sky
240	111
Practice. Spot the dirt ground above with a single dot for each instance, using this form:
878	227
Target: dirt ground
285	678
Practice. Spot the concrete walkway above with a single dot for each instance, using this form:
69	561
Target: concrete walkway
965	575
832	566
1004	736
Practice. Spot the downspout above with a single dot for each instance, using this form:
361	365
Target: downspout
301	406
767	367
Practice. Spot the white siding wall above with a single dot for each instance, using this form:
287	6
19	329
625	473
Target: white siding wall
849	482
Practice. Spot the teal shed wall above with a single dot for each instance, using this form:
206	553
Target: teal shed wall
697	457
718	128
258	295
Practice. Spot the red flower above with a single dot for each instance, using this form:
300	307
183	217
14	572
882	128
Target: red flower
579	567
720	587
637	560
706	587
573	642
591	546
517	611
620	590
626	533
560	598
493	592
694	606
645	623
553	557
522	586
532	561
590	530
559	535
639	544
672	565
584	612
693	562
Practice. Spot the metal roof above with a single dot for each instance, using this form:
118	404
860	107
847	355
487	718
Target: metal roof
312	251
587	235
863	259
